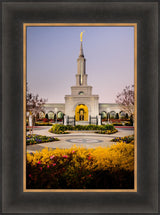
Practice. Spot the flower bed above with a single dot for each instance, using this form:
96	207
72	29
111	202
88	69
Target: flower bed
43	124
122	124
36	139
81	168
107	131
118	124
126	139
61	129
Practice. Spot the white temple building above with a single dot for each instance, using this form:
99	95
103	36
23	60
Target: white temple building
81	103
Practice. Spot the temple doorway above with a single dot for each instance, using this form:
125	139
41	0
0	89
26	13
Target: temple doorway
81	113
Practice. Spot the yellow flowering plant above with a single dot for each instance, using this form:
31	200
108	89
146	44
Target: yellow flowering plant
81	168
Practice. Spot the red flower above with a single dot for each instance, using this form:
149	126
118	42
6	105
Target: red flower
54	164
52	157
89	158
65	156
47	166
30	175
41	168
39	162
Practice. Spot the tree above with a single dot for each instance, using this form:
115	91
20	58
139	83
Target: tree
126	100
34	103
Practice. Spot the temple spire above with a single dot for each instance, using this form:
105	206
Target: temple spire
81	51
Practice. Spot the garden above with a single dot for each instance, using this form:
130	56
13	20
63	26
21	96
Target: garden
81	168
37	139
126	139
64	129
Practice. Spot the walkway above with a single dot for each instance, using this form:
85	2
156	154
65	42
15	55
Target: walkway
78	138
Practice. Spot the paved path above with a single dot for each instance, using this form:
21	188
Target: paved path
78	138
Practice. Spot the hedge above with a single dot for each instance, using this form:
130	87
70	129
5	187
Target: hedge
61	129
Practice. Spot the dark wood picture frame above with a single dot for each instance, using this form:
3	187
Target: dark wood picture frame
14	14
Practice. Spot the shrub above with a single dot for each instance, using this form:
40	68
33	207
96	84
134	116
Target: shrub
87	127
117	124
43	124
122	123
107	131
107	127
61	129
128	124
58	129
81	168
69	127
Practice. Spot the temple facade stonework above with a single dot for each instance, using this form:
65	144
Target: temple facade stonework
81	103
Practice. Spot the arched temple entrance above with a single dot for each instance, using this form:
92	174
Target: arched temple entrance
81	113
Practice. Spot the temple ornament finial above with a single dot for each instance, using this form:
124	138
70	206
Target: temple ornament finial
81	34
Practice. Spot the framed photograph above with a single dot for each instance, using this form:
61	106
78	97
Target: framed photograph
78	86
73	161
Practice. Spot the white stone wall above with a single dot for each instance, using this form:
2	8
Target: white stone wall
108	107
91	102
86	89
51	107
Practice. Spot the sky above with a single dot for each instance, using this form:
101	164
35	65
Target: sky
52	54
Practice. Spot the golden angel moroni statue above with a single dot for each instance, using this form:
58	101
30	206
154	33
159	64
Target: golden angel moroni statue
81	34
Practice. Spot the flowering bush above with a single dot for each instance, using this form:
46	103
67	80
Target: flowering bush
86	127
126	139
107	131
61	129
128	124
43	124
58	129
59	120
118	120
39	119
117	124
45	120
35	139
81	168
